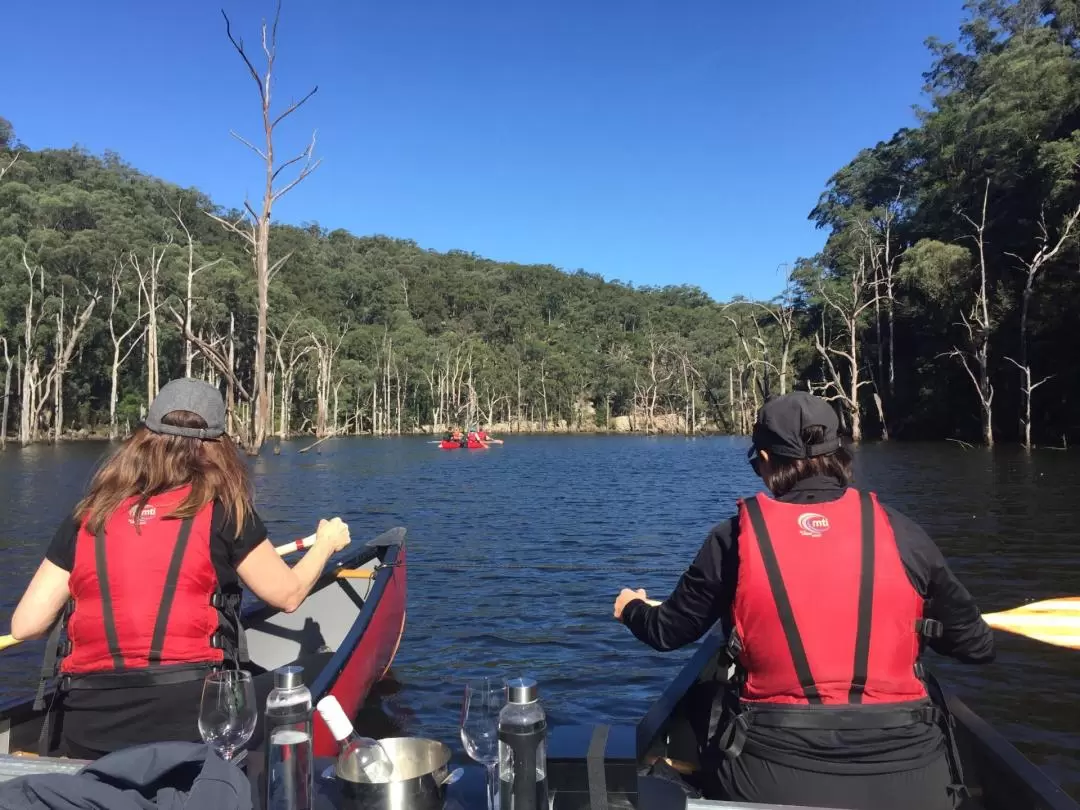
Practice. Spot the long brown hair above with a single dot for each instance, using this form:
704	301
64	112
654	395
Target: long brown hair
149	464
781	474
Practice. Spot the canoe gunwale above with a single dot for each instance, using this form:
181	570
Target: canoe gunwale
389	557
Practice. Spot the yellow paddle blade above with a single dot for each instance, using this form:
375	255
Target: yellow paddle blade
1052	621
8	641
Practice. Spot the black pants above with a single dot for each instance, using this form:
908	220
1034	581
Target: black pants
753	779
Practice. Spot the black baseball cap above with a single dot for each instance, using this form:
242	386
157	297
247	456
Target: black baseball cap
186	394
781	421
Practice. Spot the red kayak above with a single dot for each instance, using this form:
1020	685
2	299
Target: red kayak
469	445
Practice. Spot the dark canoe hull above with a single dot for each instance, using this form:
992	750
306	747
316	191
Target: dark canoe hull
345	634
998	776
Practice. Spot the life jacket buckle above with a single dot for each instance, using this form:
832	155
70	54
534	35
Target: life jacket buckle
734	645
929	628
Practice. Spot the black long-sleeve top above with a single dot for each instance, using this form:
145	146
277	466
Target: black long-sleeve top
706	591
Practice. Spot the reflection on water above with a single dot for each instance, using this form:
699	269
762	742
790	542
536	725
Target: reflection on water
589	509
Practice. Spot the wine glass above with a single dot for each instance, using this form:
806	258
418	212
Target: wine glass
480	709
227	713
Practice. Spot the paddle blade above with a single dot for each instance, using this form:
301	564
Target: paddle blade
1051	621
8	641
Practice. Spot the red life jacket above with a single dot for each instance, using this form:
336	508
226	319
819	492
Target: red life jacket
144	596
824	611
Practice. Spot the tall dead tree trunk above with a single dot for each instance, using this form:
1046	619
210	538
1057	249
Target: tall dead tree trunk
978	324
33	313
149	274
192	271
116	292
7	394
66	341
326	349
256	232
1032	268
287	374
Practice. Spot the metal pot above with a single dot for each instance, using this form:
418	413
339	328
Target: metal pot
421	775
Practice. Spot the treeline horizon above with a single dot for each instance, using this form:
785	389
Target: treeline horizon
940	307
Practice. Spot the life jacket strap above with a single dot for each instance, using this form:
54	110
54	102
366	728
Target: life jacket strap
841	716
55	649
783	602
168	593
101	564
132	678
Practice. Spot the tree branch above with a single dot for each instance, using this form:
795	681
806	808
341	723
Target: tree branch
294	107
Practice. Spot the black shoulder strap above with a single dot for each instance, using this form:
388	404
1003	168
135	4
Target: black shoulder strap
866	600
53	654
783	602
102	567
169	592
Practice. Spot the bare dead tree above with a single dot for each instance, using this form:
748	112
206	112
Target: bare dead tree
210	351
149	274
843	385
192	271
298	349
5	169
115	294
31	400
647	389
326	349
255	231
782	310
978	324
67	338
1032	267
7	394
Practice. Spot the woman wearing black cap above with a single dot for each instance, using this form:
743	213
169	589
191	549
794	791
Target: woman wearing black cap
828	599
151	562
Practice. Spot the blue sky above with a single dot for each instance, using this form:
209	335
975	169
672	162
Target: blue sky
652	142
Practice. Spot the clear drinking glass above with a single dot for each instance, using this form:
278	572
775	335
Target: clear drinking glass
227	713
484	699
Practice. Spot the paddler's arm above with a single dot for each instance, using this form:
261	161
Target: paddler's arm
966	636
285	588
48	591
702	596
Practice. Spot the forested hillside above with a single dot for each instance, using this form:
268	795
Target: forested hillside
943	304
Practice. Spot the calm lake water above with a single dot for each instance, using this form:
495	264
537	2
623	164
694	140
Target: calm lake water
1006	521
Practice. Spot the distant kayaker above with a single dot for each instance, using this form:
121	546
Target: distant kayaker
827	598
151	562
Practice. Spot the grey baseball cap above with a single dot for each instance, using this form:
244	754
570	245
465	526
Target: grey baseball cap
781	421
186	394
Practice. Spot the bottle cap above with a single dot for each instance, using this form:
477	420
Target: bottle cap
288	677
335	718
521	690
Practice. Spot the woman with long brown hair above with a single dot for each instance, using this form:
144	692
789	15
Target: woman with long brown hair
148	570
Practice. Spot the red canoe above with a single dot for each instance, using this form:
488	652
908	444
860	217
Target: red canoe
345	635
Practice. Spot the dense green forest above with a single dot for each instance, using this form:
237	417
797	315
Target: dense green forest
942	304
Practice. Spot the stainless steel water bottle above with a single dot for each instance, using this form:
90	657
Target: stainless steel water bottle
522	748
